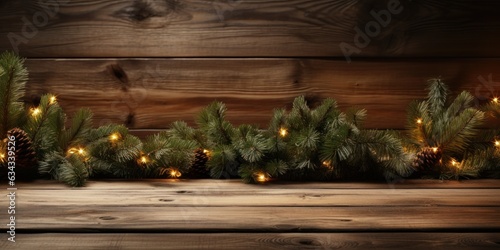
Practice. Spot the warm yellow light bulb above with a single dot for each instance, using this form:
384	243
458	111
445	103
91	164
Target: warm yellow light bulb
497	143
207	152
144	159
454	163
419	121
81	151
114	137
326	163
2	156
52	99
35	111
175	174
261	177
283	132
434	149
72	150
495	100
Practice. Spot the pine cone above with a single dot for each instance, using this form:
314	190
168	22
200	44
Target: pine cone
26	162
427	159
199	167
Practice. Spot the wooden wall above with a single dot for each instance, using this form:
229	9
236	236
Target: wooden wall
147	63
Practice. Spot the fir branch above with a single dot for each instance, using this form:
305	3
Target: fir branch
277	122
181	130
251	144
324	113
12	88
461	130
223	163
462	102
79	130
73	171
387	149
169	153
356	116
337	146
212	121
419	123
492	109
42	125
438	93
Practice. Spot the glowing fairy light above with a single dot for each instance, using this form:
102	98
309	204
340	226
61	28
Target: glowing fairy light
207	152
52	99
419	121
144	159
35	111
80	151
175	173
114	137
283	132
434	149
261	177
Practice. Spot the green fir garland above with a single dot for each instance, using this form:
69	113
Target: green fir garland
307	143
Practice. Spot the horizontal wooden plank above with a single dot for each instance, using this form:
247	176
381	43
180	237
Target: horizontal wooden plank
236	184
200	28
256	219
444	241
224	197
145	94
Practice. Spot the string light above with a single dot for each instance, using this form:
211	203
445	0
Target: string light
143	159
455	163
35	111
495	100
2	157
52	99
419	121
434	149
175	173
497	143
327	163
261	177
207	152
80	151
283	132
114	137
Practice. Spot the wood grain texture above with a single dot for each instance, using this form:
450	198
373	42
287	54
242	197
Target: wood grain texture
222	214
123	216
222	206
152	93
263	28
299	241
223	197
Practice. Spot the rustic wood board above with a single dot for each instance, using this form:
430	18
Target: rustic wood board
127	218
221	214
152	93
201	28
299	241
237	184
224	197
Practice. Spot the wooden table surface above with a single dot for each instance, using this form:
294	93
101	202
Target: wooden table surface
227	214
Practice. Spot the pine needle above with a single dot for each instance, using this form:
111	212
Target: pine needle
13	78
